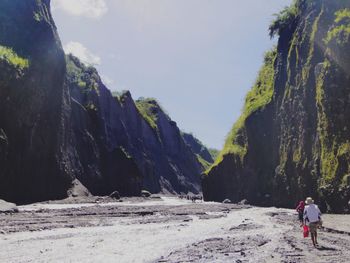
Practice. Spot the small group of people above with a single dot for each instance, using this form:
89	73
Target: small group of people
310	215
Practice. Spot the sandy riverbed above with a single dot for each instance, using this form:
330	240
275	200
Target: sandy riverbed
165	230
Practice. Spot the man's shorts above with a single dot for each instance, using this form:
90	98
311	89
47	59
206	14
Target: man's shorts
313	227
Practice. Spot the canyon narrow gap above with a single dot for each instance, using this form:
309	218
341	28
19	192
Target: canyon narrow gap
93	171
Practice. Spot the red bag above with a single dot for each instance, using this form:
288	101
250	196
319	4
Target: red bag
306	231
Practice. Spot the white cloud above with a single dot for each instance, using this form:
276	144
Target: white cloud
80	51
87	8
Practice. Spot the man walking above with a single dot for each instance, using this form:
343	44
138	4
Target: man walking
312	218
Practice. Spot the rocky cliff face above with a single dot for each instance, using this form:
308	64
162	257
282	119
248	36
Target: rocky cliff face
101	162
175	167
203	153
60	126
109	129
33	104
292	139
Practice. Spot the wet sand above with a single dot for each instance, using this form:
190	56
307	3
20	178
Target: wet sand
165	230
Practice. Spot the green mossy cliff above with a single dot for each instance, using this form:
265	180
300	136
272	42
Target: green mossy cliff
293	138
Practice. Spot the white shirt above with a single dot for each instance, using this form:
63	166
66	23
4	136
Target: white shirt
312	213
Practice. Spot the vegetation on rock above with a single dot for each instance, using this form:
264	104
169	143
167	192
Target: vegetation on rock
86	77
341	31
203	162
284	19
12	58
257	98
204	155
148	108
214	153
292	139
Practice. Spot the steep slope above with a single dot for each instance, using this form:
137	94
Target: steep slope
61	127
146	142
33	103
214	153
174	164
102	163
203	154
292	139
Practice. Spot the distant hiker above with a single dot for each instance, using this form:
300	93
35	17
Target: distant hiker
196	197
312	218
300	209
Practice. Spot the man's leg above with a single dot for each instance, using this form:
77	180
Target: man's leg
316	237
313	238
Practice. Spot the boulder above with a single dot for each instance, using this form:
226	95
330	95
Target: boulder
6	207
115	195
244	202
78	190
145	193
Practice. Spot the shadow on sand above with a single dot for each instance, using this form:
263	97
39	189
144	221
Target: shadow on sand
323	248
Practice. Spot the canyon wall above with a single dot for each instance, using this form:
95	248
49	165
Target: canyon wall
292	140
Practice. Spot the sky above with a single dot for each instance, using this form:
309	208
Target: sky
198	58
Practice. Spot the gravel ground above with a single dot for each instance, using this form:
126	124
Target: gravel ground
165	230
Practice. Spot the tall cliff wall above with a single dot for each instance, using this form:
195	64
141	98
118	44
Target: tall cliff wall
292	139
59	124
139	134
33	104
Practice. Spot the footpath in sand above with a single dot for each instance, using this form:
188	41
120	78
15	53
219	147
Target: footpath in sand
166	230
